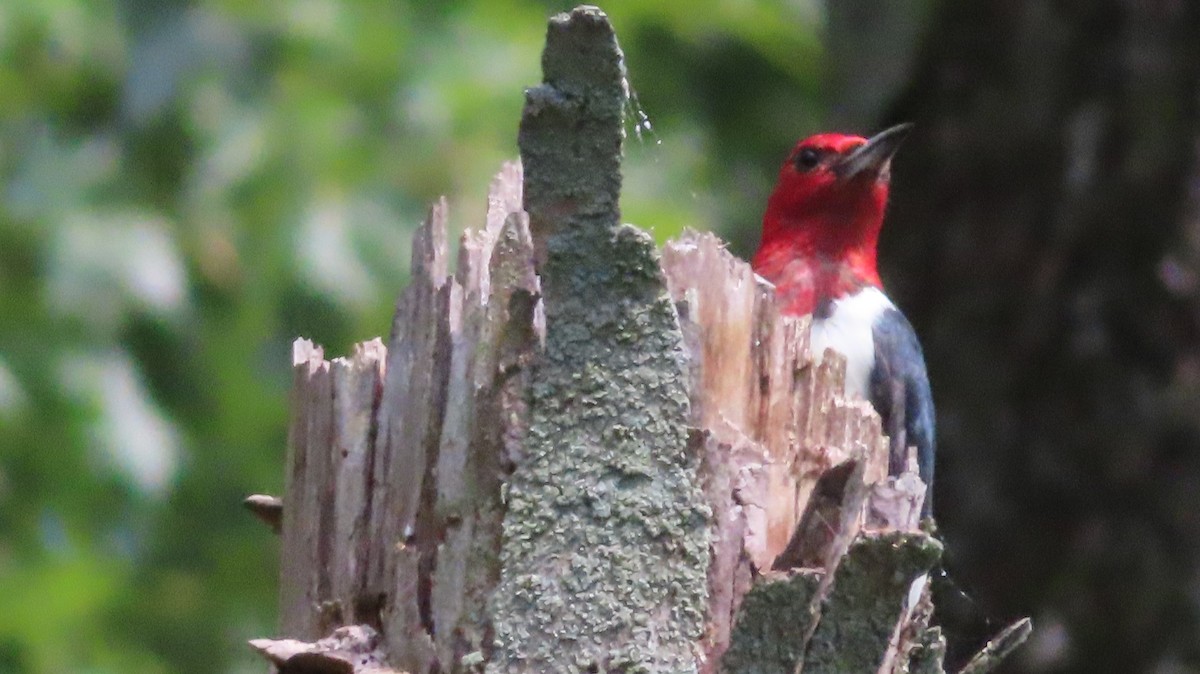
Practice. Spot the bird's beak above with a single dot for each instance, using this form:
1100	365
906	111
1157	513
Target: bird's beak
873	157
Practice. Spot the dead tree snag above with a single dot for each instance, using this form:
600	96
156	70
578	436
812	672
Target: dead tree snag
580	454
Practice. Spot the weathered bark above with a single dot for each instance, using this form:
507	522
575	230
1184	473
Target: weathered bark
575	456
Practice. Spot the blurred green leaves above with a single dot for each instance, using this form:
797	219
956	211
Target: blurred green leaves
187	186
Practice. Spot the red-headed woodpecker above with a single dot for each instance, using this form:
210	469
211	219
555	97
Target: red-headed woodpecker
819	238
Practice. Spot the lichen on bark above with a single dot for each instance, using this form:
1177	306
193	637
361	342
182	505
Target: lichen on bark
776	617
870	589
606	534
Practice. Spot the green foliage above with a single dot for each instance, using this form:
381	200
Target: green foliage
186	187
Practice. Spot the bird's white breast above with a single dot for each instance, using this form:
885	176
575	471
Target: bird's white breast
849	330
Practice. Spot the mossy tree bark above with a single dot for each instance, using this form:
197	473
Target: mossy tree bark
577	454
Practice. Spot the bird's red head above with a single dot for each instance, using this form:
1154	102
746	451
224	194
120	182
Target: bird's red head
827	207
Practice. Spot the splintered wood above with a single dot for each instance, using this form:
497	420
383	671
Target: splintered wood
767	409
789	459
398	454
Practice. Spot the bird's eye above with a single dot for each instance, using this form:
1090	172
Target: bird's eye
807	158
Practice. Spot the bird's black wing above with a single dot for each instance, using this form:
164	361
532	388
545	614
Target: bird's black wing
899	390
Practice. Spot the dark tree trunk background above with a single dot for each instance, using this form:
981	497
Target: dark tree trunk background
1044	236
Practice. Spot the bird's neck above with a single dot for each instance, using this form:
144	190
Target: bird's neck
809	270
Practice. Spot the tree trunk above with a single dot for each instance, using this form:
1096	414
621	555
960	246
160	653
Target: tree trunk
579	455
1042	238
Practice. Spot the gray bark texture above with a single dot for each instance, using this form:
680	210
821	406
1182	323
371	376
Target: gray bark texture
579	454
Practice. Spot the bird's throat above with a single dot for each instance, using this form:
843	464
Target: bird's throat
806	280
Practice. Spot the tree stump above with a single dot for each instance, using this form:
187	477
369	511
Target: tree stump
579	454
